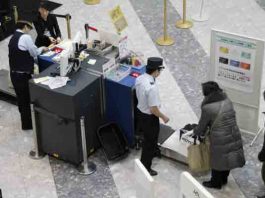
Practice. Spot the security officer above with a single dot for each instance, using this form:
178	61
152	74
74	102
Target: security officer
148	110
47	26
22	52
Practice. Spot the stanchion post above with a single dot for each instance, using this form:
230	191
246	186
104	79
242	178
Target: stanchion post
183	23
85	168
91	2
256	136
15	13
201	17
165	39
68	18
35	154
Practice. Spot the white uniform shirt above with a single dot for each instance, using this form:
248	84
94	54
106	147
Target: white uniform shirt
25	43
146	93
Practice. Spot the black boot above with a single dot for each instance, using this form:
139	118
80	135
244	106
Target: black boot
224	181
261	196
152	172
211	184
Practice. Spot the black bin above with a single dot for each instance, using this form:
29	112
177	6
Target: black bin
113	141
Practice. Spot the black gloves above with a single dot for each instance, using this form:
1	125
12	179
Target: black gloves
189	127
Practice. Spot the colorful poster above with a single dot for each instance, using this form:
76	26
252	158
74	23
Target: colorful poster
235	62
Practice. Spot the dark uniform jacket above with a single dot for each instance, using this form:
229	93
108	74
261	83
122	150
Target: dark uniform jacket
19	60
51	25
226	149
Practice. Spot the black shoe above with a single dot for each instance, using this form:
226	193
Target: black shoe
152	172
261	196
224	182
210	184
26	128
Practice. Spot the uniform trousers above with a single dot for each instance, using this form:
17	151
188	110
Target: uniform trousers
149	125
21	86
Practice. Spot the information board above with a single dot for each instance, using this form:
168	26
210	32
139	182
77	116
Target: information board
237	66
235	62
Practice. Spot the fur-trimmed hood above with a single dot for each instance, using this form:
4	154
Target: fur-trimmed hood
214	97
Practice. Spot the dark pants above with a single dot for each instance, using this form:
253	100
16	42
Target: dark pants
149	125
219	177
21	86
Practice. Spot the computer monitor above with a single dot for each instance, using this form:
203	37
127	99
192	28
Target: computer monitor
65	66
110	38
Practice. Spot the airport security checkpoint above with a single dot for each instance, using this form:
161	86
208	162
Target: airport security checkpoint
91	98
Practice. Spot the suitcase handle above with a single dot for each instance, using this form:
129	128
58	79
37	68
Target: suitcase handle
59	119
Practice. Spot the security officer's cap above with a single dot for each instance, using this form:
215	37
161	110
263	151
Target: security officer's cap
29	23
155	63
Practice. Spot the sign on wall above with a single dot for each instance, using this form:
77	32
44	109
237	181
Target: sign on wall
237	66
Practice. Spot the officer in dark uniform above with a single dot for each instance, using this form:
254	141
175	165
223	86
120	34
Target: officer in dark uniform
22	52
148	110
46	25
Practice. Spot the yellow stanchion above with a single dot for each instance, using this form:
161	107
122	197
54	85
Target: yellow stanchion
15	12
165	39
68	17
183	23
91	2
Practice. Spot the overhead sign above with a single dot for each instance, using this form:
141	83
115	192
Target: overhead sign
118	19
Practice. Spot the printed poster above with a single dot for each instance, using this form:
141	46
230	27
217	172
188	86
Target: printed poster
123	50
118	19
235	62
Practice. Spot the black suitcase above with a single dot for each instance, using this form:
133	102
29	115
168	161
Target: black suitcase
113	141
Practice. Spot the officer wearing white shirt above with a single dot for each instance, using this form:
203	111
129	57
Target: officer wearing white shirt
22	52
148	110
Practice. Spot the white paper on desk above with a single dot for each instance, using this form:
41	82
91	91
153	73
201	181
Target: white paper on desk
41	79
57	82
92	61
47	82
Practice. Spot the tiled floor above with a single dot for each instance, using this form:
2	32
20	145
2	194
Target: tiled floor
187	62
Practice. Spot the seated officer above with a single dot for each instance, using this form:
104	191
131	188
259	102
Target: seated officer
46	26
22	52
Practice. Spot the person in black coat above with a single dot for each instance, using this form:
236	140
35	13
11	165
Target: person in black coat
226	147
47	27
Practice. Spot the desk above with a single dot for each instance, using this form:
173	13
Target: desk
59	112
